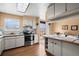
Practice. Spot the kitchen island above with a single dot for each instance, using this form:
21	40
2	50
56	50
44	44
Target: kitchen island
61	45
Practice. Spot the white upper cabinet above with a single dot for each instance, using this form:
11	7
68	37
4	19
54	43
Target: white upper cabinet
72	6
59	8
50	12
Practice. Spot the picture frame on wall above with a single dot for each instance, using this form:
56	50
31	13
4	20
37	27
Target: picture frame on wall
64	27
74	27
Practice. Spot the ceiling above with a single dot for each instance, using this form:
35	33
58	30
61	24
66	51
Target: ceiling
9	8
34	9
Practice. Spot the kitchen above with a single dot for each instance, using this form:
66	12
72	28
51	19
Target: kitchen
21	30
14	37
12	27
62	30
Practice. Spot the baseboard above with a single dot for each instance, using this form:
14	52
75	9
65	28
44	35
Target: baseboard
13	48
35	43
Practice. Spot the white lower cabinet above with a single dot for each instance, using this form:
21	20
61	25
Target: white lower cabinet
54	47
13	42
0	47
62	48
35	38
50	46
19	41
69	49
2	44
9	42
57	48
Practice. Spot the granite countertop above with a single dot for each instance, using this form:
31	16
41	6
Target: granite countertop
1	37
13	35
76	41
70	39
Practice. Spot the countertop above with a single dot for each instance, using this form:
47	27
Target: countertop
1	37
70	39
13	35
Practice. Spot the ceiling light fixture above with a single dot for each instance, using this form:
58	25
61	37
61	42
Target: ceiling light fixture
21	7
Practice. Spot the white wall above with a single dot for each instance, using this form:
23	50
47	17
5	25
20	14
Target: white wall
9	8
42	10
35	9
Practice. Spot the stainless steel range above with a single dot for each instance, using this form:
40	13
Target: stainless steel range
28	35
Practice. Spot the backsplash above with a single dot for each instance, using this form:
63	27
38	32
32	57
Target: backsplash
74	20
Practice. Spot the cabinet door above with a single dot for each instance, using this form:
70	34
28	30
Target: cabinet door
10	42
0	20
57	48
72	6
35	38
7	44
59	8
50	12
2	44
69	49
20	41
50	46
47	28
0	47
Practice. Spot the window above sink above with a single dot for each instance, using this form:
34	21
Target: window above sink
11	24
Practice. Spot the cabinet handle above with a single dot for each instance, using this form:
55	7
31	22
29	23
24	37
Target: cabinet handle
52	42
55	43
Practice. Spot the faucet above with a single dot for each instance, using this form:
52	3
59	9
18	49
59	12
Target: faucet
65	34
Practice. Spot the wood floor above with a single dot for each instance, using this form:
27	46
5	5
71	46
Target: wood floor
34	50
